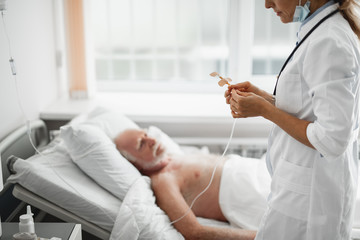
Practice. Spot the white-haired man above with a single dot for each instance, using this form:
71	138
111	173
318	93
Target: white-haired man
177	179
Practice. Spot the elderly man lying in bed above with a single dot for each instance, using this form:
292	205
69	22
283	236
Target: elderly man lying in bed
236	195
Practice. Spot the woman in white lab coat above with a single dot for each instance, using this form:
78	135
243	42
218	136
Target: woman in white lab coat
312	150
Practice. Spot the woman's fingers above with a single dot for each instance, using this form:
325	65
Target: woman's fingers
227	96
228	100
244	104
237	115
239	88
243	86
237	94
235	103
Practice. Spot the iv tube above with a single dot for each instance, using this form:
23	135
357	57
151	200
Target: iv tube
206	188
212	176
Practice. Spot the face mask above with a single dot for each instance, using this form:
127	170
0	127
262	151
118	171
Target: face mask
301	12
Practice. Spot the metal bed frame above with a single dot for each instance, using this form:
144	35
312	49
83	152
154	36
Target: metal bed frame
18	144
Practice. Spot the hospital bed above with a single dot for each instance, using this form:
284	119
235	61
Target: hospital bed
52	182
18	144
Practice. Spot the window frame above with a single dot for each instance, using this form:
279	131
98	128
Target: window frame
241	23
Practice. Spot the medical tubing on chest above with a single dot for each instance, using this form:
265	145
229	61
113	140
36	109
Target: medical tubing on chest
203	191
212	176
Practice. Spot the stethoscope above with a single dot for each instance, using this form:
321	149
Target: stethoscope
299	44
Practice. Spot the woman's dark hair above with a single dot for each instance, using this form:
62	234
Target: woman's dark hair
350	9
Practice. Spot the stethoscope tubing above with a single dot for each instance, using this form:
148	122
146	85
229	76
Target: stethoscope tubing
301	42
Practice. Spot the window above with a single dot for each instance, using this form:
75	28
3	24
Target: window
165	45
273	41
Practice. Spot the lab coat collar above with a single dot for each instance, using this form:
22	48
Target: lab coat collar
311	16
305	28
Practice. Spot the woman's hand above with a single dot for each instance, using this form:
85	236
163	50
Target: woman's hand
246	104
243	87
246	100
248	88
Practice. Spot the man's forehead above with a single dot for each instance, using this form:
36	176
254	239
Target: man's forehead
136	132
133	136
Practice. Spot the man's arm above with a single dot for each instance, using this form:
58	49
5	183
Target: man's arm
170	199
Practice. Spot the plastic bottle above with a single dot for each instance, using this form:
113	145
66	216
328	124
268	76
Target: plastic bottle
26	223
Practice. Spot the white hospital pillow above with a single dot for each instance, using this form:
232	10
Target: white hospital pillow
54	177
110	121
113	122
97	156
97	111
169	144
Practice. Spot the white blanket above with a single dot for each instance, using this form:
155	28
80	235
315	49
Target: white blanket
140	218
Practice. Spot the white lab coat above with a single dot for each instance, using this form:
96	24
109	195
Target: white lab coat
313	191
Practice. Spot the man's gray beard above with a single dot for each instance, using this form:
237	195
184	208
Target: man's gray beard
157	159
155	162
157	136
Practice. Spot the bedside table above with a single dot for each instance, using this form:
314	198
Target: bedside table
65	231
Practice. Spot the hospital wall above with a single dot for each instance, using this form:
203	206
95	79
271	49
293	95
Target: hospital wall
30	27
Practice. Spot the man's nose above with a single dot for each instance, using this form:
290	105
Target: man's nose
151	142
268	4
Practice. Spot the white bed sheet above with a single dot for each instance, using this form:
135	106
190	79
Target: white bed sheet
57	179
140	218
70	188
91	202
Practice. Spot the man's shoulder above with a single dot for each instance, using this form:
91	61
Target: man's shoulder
165	177
162	175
